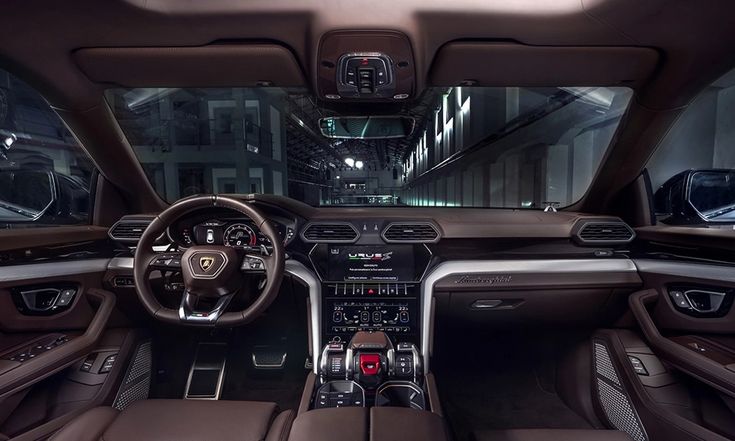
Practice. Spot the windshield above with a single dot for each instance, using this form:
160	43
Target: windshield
512	147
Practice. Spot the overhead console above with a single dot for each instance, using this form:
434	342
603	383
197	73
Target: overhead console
365	65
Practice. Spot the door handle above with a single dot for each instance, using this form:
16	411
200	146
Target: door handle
705	302
40	300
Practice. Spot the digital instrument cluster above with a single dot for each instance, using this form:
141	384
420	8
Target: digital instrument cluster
238	233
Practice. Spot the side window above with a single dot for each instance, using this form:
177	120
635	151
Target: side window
45	176
693	170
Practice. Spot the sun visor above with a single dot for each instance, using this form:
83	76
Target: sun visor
512	64
236	65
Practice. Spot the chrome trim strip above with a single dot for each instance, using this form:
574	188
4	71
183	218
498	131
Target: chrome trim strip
556	266
723	273
120	263
21	273
297	270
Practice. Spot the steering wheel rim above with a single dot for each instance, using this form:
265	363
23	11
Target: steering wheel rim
146	260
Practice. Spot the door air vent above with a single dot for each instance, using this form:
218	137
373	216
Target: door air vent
129	229
603	232
330	232
411	232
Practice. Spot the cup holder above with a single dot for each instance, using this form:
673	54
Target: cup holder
400	394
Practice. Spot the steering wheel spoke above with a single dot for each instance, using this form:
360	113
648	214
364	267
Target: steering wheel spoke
165	262
256	264
188	311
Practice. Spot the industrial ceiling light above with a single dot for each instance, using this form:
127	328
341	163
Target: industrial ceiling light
9	140
359	165
350	162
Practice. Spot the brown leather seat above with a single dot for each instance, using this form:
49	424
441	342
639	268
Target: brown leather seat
181	420
552	435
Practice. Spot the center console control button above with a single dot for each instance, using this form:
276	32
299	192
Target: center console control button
339	393
404	365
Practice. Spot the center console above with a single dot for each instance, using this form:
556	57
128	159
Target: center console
369	377
370	371
370	288
369	388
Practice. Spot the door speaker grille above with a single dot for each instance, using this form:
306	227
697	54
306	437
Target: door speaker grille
137	381
613	399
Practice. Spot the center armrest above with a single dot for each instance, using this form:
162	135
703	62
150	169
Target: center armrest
404	424
363	424
334	424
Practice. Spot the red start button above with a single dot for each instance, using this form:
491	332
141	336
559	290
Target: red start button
369	364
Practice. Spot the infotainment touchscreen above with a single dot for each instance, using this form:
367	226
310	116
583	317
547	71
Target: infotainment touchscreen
371	263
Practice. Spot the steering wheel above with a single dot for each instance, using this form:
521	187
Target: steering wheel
212	274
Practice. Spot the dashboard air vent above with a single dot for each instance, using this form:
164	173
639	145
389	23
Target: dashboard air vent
603	232
129	230
330	233
410	232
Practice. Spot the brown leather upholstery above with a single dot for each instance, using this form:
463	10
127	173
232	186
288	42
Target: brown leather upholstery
89	426
336	424
155	420
375	424
551	435
404	424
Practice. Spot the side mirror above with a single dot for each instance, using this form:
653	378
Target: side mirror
697	196
25	195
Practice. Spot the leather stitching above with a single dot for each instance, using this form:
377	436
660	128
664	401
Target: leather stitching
287	425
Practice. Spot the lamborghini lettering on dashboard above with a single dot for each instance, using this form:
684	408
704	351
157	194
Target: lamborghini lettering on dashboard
483	280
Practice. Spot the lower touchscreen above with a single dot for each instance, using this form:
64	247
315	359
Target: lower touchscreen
349	316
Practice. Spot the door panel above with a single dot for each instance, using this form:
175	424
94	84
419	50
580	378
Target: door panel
678	366
56	333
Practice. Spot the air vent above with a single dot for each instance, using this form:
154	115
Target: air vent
410	232
594	232
129	230
330	233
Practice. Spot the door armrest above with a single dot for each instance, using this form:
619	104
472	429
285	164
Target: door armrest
15	375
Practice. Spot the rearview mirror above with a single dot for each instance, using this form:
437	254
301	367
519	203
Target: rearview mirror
367	127
697	196
25	195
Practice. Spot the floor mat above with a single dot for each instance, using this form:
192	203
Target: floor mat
506	390
175	355
283	387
